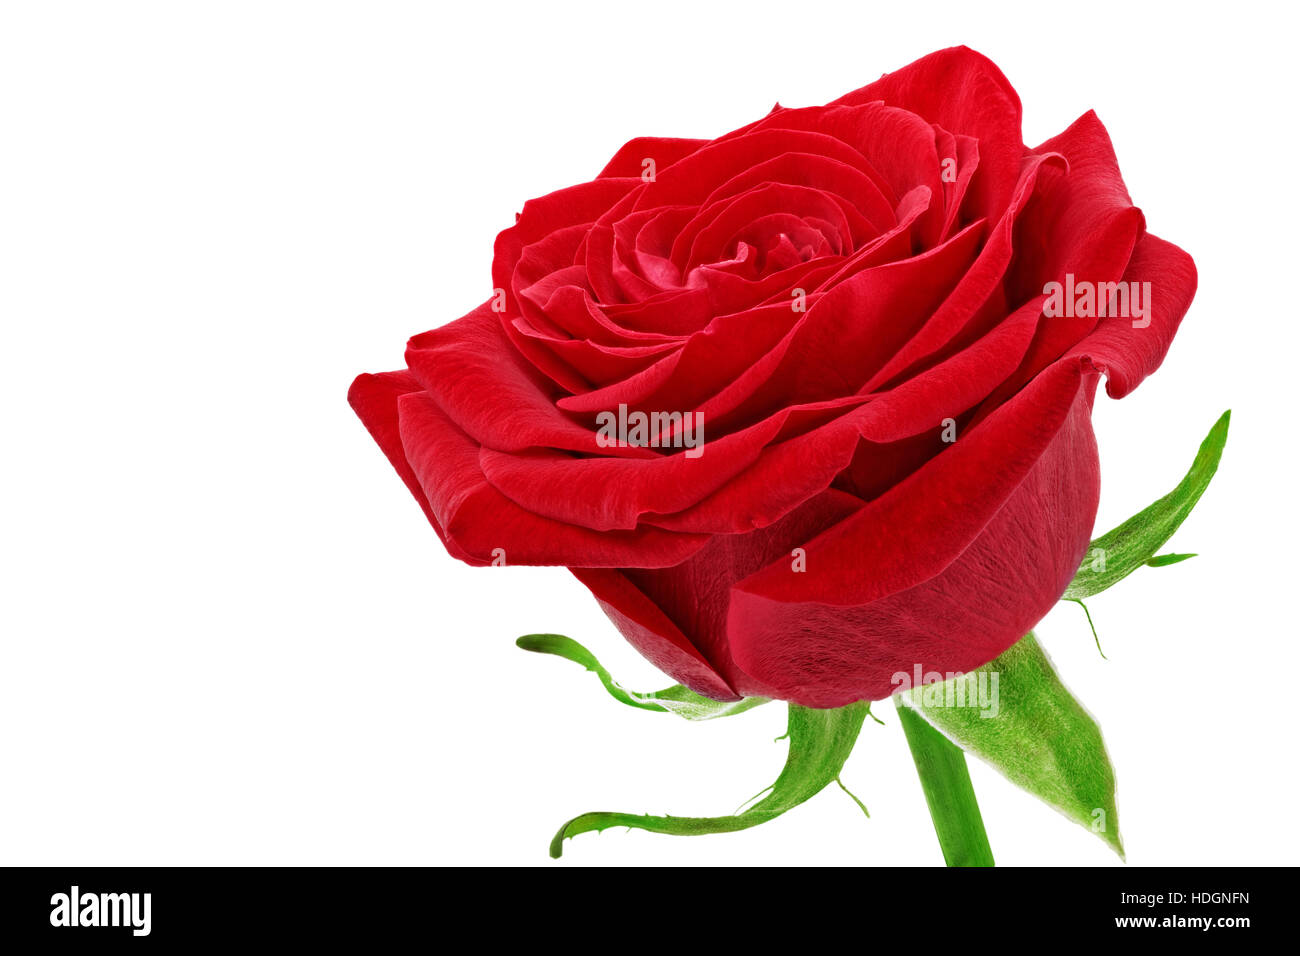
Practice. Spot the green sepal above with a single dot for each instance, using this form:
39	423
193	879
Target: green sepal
677	699
820	742
1040	738
1121	551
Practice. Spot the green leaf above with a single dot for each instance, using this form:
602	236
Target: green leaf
677	699
1121	551
1016	715
1163	560
820	742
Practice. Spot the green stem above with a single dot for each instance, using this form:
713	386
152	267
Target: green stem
948	792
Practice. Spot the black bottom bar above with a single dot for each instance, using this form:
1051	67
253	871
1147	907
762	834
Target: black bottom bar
205	905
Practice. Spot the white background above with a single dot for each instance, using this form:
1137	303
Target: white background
229	635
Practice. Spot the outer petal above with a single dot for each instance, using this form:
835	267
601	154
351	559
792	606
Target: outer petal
663	150
947	570
374	398
965	93
1128	353
677	616
649	630
1082	223
488	390
478	519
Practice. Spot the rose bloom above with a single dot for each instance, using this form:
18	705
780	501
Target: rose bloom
850	301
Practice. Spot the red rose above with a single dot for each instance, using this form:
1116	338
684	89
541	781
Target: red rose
885	318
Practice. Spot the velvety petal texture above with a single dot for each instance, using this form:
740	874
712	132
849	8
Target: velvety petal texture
807	405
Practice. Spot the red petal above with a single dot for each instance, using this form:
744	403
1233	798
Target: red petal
649	630
630	159
966	94
1129	354
947	569
374	399
683	609
482	524
479	380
